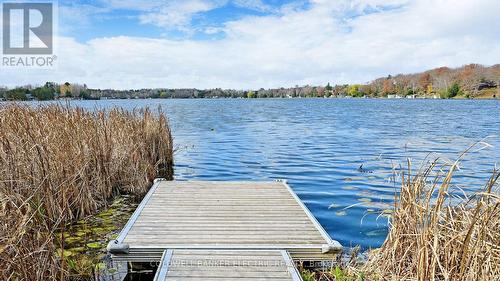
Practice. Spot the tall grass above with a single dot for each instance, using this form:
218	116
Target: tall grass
59	164
437	232
435	235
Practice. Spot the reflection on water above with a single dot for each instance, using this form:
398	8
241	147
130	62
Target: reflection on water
319	146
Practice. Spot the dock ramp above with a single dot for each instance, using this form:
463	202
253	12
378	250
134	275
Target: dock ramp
225	265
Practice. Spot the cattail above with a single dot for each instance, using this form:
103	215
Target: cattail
61	163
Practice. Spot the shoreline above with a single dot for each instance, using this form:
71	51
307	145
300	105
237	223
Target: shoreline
257	98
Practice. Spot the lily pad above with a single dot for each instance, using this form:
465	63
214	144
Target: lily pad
72	239
65	253
94	245
77	249
100	266
82	232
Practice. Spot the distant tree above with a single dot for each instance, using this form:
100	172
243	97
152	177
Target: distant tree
328	90
65	89
410	92
77	90
320	92
453	91
51	85
251	95
468	75
368	90
17	94
430	89
424	81
87	95
388	87
44	93
354	91
314	92
339	90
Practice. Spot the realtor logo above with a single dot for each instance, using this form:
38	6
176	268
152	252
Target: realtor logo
27	28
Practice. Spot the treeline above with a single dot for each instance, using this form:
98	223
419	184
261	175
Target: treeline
49	91
469	81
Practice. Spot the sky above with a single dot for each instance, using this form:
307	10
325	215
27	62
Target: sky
252	44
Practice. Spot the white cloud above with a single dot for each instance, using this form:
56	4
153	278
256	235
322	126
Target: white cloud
178	14
74	17
316	46
253	5
140	5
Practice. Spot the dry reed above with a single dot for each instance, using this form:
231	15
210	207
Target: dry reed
59	164
436	235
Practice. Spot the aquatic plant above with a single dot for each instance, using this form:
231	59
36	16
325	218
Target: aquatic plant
434	234
438	235
59	164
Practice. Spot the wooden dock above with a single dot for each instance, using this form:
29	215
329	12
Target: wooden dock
209	217
222	265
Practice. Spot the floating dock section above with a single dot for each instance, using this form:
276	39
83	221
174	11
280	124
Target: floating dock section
210	219
220	265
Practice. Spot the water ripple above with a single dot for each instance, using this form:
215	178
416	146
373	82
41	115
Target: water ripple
318	145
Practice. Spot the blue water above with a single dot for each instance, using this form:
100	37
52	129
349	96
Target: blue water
318	145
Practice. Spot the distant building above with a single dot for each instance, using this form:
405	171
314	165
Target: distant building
394	97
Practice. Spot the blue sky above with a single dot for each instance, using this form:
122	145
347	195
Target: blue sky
110	18
249	44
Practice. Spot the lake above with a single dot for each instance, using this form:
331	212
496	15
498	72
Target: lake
319	144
